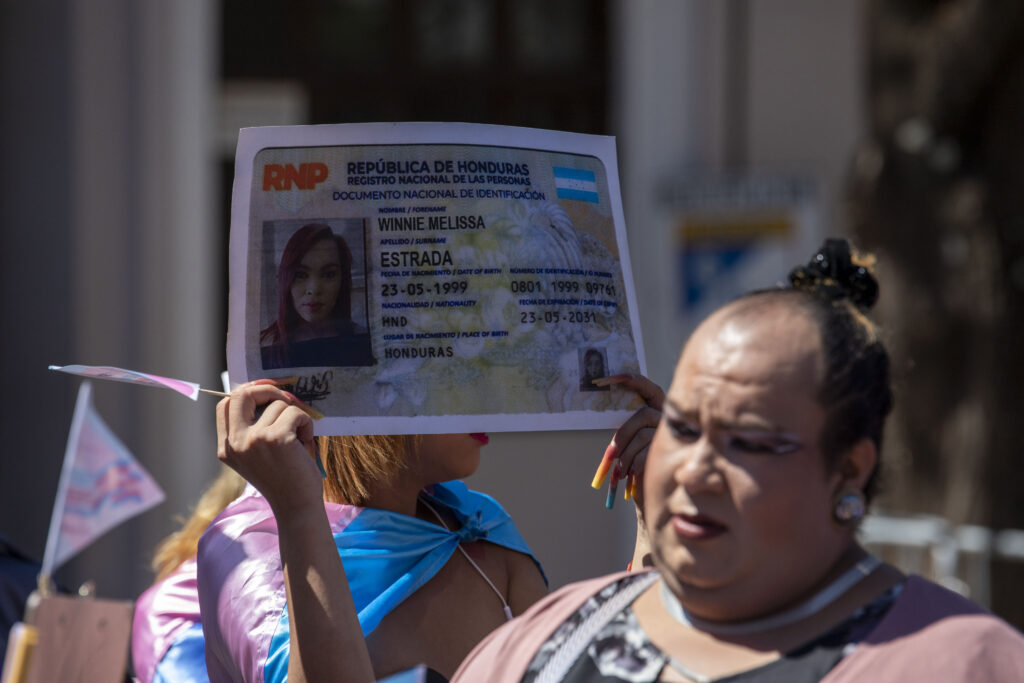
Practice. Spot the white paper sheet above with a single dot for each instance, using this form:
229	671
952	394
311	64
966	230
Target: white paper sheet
455	277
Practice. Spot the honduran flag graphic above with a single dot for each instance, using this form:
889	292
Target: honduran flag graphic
575	183
101	485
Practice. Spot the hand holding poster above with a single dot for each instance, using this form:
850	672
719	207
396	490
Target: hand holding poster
422	278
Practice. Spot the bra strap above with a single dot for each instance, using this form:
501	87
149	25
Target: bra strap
504	604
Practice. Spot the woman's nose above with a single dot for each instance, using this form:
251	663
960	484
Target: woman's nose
699	470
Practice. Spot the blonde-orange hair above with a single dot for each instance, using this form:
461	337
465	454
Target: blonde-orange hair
355	464
182	544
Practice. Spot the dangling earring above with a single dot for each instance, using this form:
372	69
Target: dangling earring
848	507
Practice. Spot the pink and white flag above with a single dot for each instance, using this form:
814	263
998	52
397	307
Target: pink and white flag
101	485
190	389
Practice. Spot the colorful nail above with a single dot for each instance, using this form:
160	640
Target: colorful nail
276	381
605	467
306	408
315	452
610	379
312	412
613	487
627	493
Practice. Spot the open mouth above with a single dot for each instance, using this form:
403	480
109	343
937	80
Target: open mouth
697	527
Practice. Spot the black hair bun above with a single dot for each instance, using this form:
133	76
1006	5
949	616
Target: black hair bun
834	274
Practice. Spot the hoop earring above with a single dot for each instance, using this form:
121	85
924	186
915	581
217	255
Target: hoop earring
849	507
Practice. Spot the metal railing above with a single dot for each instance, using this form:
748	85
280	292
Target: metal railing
957	556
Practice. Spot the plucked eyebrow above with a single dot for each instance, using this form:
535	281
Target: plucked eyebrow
751	424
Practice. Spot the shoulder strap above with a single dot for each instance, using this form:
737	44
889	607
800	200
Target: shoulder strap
567	654
504	604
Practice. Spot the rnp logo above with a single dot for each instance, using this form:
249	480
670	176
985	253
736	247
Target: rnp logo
284	176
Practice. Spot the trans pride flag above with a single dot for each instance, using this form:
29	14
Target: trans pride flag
190	389
101	485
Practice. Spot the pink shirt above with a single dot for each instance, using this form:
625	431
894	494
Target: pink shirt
929	634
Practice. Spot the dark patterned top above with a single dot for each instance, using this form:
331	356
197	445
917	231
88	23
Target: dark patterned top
622	652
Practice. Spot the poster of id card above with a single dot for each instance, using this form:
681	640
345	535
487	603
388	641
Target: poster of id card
433	277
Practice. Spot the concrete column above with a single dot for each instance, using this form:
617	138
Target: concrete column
143	76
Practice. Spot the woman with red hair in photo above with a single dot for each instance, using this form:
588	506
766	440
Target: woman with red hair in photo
314	326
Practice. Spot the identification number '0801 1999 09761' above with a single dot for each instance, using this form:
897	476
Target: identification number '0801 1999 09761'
562	287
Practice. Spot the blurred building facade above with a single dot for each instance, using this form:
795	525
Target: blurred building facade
118	138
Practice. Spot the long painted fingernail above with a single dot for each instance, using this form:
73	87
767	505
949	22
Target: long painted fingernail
627	493
605	467
315	453
308	409
613	487
275	381
610	379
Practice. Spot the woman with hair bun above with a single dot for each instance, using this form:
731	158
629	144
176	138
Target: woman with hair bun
314	325
764	463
